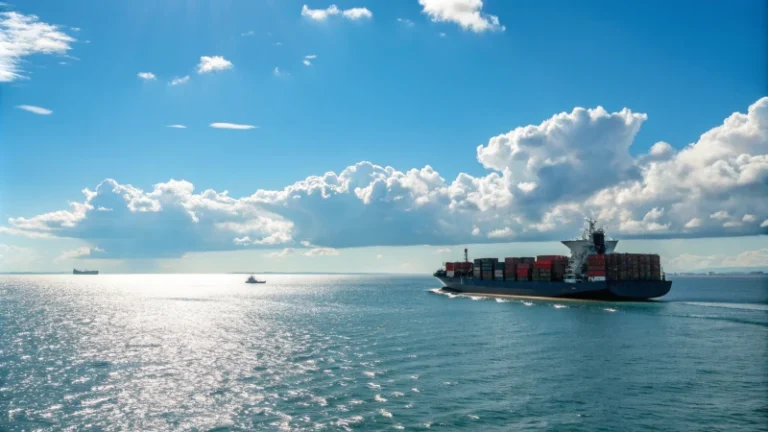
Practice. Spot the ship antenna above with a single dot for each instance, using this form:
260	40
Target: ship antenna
466	257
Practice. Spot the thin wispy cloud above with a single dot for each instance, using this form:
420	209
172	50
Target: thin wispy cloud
280	74
353	14
212	64
179	80
232	126
308	59
280	254
147	76
35	109
312	252
23	36
406	22
177	126
248	33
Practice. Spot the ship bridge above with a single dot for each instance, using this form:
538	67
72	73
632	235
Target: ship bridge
592	241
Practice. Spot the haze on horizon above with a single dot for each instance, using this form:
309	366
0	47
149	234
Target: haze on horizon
308	136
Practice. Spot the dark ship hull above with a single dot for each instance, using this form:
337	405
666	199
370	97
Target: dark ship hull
628	290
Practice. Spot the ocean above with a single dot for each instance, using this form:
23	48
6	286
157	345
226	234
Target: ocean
336	352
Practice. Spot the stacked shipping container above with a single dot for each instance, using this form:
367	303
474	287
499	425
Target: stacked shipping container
542	271
596	267
523	272
633	267
559	263
552	268
498	271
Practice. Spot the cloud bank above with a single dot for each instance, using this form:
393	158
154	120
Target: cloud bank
543	179
24	35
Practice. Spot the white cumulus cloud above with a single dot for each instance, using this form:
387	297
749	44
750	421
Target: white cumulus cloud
35	109
357	14
147	76
466	13
308	59
22	36
213	63
232	126
354	14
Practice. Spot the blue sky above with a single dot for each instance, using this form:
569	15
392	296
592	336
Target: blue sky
407	84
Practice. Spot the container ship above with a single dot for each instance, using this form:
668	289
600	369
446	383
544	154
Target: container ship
593	271
84	272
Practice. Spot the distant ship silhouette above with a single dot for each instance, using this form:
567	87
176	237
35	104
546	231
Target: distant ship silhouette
85	272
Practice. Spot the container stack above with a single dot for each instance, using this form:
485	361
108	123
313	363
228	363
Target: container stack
612	263
462	269
542	271
655	266
523	271
510	267
634	266
476	272
486	267
498	271
449	269
645	266
559	263
596	267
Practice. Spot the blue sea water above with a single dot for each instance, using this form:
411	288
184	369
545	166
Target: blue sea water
329	352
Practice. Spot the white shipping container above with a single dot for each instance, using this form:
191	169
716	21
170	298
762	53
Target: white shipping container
449	273
498	274
597	278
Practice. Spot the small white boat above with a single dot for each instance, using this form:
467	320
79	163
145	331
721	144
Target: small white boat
253	280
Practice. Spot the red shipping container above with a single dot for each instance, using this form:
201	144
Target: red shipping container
543	265
523	266
551	257
449	267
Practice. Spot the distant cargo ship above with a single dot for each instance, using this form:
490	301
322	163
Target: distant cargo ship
593	271
84	272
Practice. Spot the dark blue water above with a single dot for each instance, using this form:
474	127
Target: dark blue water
203	352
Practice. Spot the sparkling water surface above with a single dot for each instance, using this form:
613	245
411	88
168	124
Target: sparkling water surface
330	352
